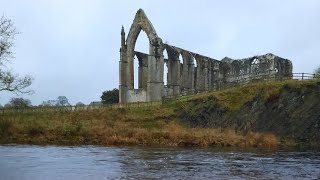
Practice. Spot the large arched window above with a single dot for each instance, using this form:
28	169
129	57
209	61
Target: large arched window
166	67
181	70
255	63
196	69
141	45
136	72
140	23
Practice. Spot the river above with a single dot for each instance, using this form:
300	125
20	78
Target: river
24	162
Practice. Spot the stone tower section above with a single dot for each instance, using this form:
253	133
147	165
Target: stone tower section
150	66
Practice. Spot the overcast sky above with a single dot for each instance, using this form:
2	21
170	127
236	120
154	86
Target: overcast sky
71	47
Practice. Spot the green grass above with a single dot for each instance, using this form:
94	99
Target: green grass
235	98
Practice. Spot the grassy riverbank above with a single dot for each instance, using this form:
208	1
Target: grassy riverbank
148	127
264	115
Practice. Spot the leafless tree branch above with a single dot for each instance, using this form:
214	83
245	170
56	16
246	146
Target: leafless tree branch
9	81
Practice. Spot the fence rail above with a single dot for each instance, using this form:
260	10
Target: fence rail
224	85
54	109
303	76
146	105
268	77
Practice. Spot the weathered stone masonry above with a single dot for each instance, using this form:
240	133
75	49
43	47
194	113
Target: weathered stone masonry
196	73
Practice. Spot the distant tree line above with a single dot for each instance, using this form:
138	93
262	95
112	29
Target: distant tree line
60	101
18	103
21	103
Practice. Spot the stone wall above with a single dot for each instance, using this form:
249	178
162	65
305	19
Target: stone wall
137	95
195	73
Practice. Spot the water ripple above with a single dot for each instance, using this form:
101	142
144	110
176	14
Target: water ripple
90	162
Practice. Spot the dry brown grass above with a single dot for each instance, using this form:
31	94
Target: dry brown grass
148	127
154	126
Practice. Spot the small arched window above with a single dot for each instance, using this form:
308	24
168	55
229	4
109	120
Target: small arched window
255	66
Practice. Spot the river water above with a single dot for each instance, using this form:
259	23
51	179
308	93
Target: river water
90	162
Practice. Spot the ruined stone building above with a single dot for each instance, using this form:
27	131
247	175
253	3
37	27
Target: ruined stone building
195	73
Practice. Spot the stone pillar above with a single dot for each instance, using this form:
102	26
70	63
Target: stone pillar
209	74
123	88
144	72
175	70
130	71
198	75
185	71
140	73
143	69
205	75
188	70
169	68
191	77
182	69
155	70
200	79
195	75
215	75
176	76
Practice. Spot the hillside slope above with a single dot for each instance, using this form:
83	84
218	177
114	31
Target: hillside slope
288	109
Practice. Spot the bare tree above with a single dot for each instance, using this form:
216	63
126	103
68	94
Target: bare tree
8	80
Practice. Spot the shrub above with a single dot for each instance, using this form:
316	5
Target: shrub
317	72
5	126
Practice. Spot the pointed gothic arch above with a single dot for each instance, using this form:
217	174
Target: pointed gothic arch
140	23
152	85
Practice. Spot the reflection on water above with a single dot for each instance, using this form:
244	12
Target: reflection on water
90	162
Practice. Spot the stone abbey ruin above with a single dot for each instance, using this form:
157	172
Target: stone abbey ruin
195	73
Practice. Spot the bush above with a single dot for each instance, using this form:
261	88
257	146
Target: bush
317	73
5	126
72	129
19	103
110	97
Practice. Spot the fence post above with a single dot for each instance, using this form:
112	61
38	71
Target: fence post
302	76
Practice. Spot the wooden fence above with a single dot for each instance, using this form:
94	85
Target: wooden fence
264	78
222	85
303	76
55	109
